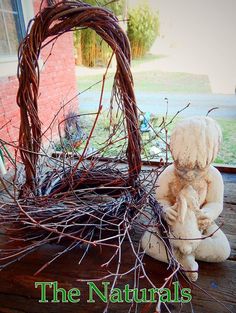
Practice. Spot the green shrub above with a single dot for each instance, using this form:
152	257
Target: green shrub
143	28
90	49
94	50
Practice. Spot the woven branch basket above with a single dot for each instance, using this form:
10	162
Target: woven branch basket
79	204
48	25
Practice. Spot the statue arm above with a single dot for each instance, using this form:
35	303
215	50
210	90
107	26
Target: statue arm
162	191
214	200
163	194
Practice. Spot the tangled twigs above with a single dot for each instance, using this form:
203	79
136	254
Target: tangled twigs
49	24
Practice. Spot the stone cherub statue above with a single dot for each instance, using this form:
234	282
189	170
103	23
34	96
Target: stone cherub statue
191	194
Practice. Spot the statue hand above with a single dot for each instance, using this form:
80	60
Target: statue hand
171	214
204	221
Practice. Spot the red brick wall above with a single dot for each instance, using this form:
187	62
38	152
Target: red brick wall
57	86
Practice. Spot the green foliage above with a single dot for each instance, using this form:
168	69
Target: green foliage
116	7
228	149
95	51
143	28
104	128
76	37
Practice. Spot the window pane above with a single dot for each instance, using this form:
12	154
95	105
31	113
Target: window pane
4	48
7	5
11	20
12	26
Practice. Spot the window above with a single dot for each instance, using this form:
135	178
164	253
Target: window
12	26
14	16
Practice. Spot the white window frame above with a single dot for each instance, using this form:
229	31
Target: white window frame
8	64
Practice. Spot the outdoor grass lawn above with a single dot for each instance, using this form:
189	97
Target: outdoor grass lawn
157	81
227	154
146	59
154	81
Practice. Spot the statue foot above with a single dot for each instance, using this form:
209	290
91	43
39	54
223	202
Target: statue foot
190	266
193	276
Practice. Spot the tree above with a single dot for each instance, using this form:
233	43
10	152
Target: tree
143	28
90	49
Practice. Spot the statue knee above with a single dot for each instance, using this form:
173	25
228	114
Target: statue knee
224	252
214	249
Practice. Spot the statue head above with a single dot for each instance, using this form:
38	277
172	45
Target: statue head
194	143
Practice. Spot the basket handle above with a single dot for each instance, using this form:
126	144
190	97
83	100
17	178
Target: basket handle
48	24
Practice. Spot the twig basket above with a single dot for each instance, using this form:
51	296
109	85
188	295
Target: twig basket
49	24
68	206
90	197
